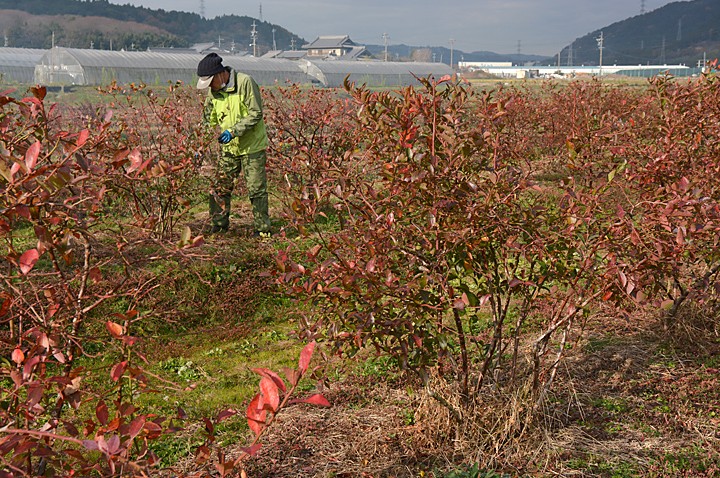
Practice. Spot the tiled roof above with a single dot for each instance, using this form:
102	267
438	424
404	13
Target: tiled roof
330	42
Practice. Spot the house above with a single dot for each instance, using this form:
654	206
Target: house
337	46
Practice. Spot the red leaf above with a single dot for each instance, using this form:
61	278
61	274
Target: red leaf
35	394
269	391
118	370
136	426
113	444
18	356
28	260
255	416
225	414
31	155
251	450
202	454
30	365
119	158
5	303
135	160
90	444
39	92
316	399
82	138
153	430
129	341
305	357
292	375
263	372
95	275
115	330
101	412
514	282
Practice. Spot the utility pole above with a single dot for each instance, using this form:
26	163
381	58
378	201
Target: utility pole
662	52
385	41
202	8
452	45
642	7
519	47
292	44
274	44
679	32
260	17
570	55
253	35
601	46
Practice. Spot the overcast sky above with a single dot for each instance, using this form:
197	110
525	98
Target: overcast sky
540	27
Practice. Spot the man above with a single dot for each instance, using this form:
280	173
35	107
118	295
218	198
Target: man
235	105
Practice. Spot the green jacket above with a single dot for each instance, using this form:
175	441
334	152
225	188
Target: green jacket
238	107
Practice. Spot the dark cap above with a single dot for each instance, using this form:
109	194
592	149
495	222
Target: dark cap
209	66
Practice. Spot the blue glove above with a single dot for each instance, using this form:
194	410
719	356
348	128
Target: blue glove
225	137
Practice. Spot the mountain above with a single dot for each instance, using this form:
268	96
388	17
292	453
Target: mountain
80	24
678	33
443	54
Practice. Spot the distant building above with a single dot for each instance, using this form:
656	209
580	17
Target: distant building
338	46
483	65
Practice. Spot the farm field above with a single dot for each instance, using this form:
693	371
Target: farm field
480	279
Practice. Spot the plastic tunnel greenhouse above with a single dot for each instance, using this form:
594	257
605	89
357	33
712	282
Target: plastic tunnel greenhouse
17	65
332	73
68	66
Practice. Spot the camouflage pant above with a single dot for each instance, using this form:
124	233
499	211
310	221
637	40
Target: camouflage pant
228	169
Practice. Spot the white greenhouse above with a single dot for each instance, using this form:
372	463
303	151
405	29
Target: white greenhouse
17	65
80	67
70	66
332	73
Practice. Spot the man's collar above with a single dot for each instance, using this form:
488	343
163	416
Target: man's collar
230	86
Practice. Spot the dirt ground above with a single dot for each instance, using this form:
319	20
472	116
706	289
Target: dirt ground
633	400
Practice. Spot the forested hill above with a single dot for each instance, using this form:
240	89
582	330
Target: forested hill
679	32
36	21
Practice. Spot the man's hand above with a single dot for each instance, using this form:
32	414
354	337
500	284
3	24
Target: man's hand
225	137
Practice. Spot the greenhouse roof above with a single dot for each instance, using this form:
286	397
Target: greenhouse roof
27	57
